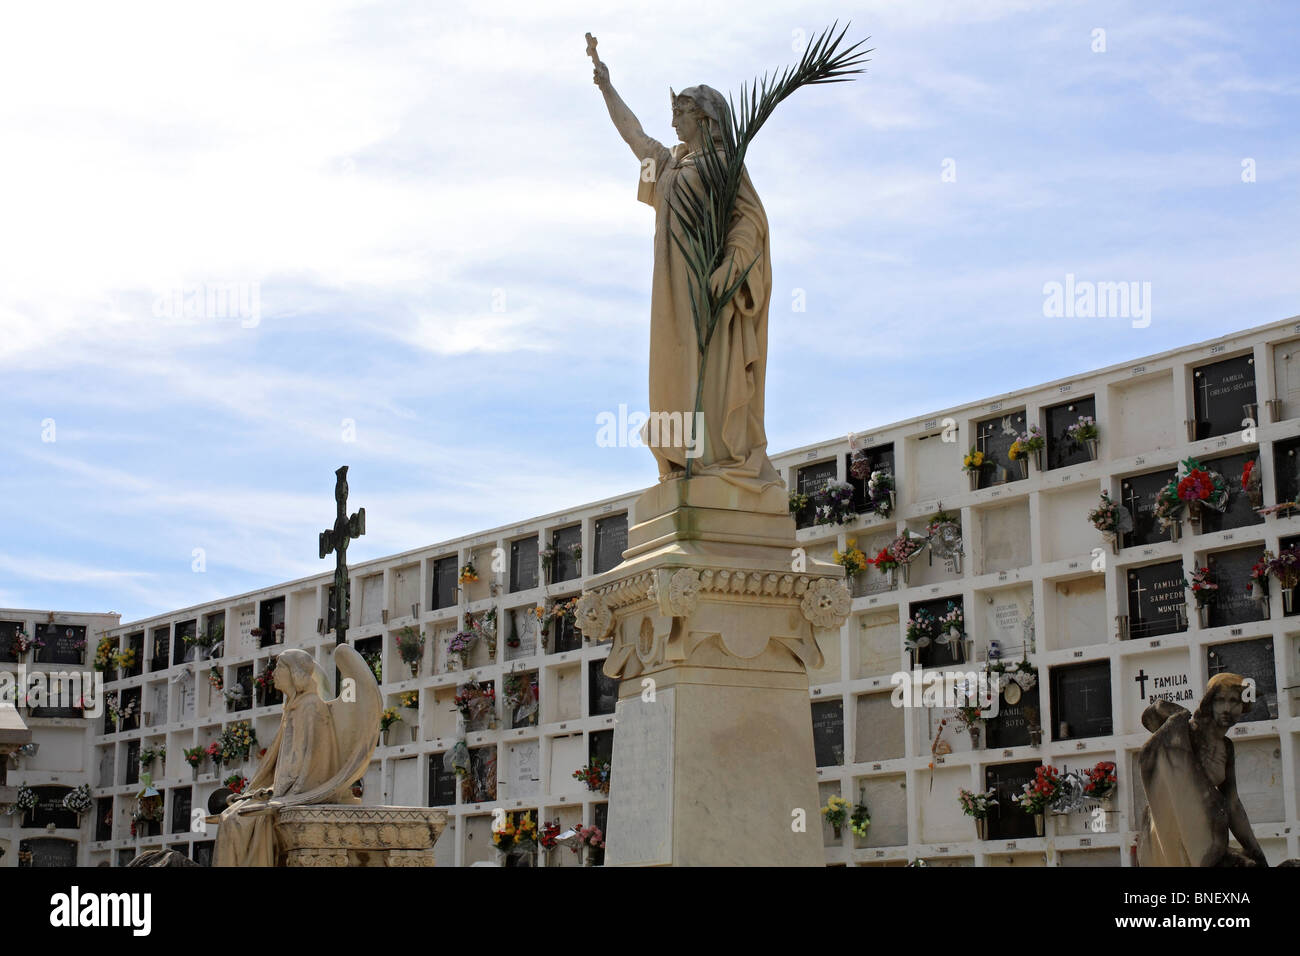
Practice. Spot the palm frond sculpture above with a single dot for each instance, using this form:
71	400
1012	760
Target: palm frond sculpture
704	214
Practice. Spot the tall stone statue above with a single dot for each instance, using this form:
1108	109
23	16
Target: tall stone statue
321	749
1189	774
712	279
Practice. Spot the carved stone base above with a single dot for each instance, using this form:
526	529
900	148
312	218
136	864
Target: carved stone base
713	615
358	836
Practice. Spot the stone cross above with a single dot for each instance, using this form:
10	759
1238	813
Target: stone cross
336	540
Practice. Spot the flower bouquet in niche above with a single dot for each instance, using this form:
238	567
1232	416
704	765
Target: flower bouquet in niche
1252	484
1100	781
1205	590
410	647
591	839
595	775
1257	585
1032	442
1198	488
860	465
389	717
78	801
943	537
1084	432
880	492
978	806
836	813
236	783
477	703
885	563
1286	568
485	626
973	463
860	818
921	630
194	757
22	643
834	504
853	561
904	549
1169	510
1039	793
1111	519
468	575
459	647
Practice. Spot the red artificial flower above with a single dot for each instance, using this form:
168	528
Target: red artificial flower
1245	474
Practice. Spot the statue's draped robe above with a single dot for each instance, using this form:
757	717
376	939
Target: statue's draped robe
734	443
303	756
1185	823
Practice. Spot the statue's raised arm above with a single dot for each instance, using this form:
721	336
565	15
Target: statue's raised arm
625	121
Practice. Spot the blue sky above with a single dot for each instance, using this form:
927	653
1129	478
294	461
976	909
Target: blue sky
443	230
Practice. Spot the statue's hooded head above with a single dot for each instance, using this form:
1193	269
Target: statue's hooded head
296	673
699	106
1222	705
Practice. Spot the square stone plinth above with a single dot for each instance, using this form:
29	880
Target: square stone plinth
358	836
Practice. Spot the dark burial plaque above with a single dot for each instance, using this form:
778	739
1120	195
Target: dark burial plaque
1231	571
994	436
828	732
600	746
1252	659
611	542
8	630
1138	494
938	655
442	783
128	696
213	625
566	566
50	852
158	656
124	857
523	564
182	801
565	635
1220	390
63	643
244	679
1239	512
1156	599
136	643
133	761
602	690
1081	699
49	809
878	457
1062	451
444	582
1010	728
1286	470
270	613
1283	544
203	852
482	774
1006	820
104	819
181	649
809	480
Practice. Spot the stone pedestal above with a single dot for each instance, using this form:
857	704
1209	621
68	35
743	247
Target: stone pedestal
713	614
335	835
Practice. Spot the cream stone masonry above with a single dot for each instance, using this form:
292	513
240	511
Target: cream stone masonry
714	633
1026	573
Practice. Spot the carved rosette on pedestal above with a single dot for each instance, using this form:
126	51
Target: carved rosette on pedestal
659	617
333	835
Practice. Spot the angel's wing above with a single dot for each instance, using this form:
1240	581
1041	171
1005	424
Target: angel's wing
355	715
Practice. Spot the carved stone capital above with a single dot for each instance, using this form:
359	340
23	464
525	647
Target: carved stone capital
594	616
